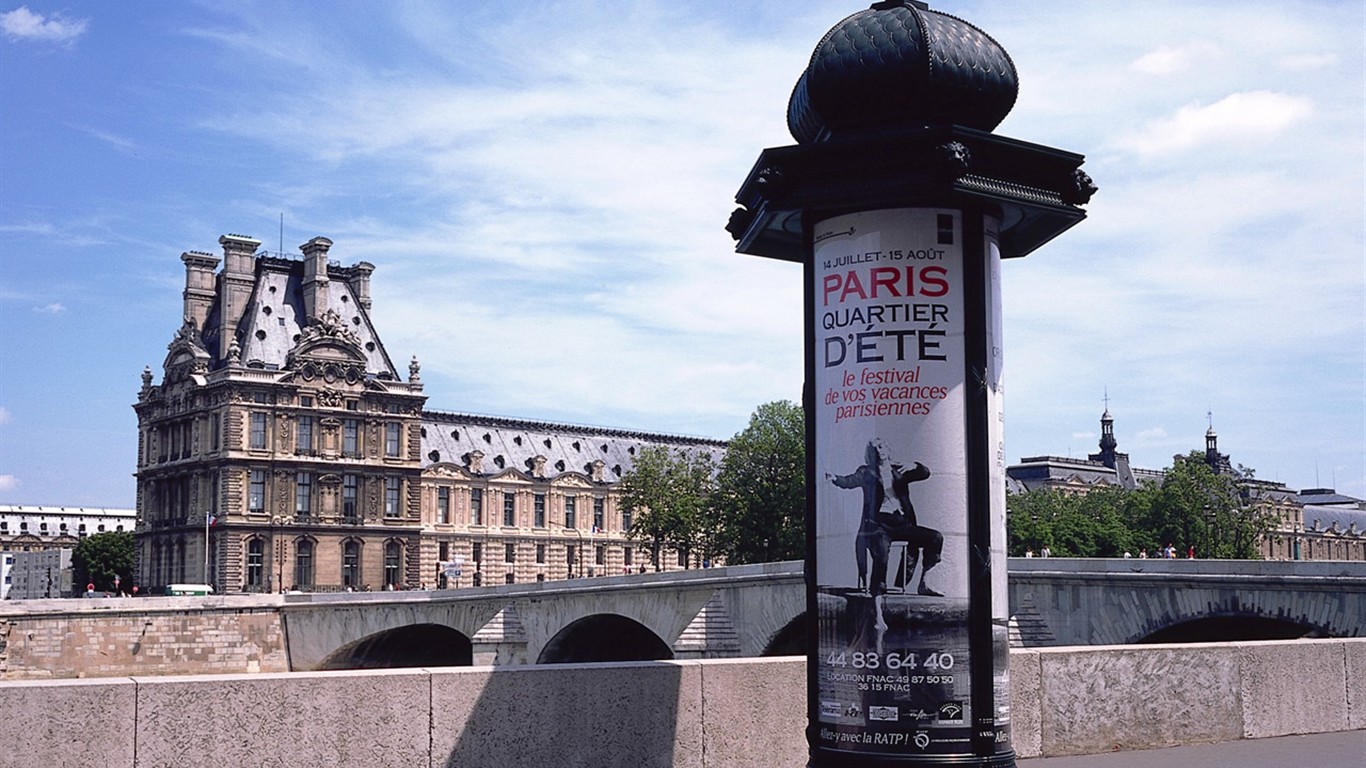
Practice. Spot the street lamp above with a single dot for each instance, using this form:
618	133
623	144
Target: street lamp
579	556
1210	515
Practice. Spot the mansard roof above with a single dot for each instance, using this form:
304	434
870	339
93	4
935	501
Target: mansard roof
550	448
1328	497
1335	519
1043	471
275	322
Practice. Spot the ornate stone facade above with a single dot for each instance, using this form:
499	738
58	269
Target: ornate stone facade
282	449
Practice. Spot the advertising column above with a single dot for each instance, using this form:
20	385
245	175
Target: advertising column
892	471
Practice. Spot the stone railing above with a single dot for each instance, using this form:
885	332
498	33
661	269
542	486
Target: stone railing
694	714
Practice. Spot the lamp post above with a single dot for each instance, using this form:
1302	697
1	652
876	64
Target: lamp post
900	204
1209	531
579	555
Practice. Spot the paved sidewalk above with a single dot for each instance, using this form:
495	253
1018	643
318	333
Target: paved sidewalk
1343	749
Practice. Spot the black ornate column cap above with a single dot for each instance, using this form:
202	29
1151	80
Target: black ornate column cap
1035	189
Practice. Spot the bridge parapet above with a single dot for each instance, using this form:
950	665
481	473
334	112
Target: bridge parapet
1080	601
744	611
703	714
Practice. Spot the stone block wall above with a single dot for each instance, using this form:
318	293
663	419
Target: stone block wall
151	642
735	713
1095	699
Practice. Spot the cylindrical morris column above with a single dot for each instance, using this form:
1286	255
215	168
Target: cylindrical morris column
900	205
909	519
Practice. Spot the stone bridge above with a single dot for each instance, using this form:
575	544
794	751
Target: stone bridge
759	610
738	611
1082	601
750	610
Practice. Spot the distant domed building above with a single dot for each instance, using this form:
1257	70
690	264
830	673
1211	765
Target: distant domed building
283	449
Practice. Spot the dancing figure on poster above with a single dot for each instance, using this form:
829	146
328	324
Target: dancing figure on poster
888	516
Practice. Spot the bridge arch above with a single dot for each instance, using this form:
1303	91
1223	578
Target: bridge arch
414	645
604	637
1224	616
790	640
1225	629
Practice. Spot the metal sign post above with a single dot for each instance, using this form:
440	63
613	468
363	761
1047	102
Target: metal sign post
900	204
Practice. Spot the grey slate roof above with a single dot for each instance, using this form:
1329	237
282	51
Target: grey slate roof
275	316
516	444
1342	520
1328	497
1035	471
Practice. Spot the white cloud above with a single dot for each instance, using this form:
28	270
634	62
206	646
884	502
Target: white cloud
1302	62
1234	119
1171	59
54	308
118	142
23	24
4	415
8	482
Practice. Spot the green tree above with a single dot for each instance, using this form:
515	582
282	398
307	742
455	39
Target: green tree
1070	525
99	558
667	493
1109	510
760	500
1029	520
1215	513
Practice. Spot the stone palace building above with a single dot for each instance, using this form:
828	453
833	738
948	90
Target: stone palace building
282	449
1313	524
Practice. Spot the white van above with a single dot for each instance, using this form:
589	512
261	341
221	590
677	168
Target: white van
174	590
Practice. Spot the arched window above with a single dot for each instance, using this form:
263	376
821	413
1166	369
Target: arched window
351	563
256	564
393	563
303	564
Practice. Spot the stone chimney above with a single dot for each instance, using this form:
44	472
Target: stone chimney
358	277
315	276
234	285
199	286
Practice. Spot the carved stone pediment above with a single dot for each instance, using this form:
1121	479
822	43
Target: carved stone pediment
330	328
571	480
328	349
445	469
514	476
186	355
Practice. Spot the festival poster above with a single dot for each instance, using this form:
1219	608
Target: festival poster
891	498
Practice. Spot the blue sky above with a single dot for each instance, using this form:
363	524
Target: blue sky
543	187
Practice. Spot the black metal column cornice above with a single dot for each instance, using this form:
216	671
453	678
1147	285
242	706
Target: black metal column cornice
1036	189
